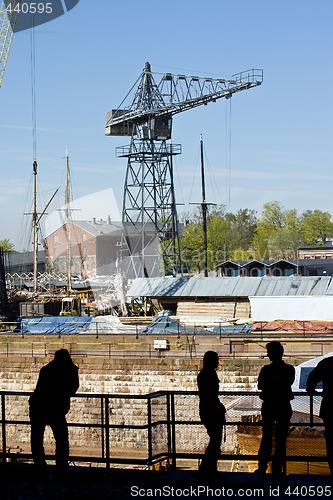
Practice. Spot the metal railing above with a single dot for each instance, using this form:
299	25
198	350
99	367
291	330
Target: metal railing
160	427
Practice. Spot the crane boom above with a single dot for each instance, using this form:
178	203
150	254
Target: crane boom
175	94
8	20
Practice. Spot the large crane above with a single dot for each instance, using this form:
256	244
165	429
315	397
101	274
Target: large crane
149	209
8	18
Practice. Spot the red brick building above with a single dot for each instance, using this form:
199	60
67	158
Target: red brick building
320	252
93	247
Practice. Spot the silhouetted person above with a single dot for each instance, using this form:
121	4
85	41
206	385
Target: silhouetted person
323	372
212	411
274	382
49	404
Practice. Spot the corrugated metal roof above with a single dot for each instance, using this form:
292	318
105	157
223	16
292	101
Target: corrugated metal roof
231	287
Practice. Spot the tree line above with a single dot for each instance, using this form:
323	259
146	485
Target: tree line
277	234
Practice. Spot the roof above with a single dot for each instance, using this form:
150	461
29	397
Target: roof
320	247
98	227
231	287
264	263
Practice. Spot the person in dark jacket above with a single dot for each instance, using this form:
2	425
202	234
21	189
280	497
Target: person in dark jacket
323	372
212	411
274	382
49	404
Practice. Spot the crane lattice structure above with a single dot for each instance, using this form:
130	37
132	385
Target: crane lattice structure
8	18
149	209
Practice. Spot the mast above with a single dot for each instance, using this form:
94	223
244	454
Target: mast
35	227
68	220
204	208
36	218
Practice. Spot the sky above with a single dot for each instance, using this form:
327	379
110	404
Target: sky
270	143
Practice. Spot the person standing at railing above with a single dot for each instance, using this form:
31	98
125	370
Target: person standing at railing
212	412
323	372
274	382
49	404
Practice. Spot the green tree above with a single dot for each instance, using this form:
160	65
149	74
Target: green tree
7	245
226	232
279	233
192	246
316	227
242	227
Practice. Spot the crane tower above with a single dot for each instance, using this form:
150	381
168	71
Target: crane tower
149	213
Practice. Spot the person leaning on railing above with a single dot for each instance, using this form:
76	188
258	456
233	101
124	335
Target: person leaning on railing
323	372
274	382
212	412
49	404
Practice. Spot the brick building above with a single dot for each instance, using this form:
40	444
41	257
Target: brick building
319	252
97	247
93	247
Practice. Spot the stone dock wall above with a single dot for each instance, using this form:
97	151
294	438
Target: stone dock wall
123	377
120	376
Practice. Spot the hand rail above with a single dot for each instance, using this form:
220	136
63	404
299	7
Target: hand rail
156	426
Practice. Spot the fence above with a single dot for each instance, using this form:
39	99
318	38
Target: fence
163	427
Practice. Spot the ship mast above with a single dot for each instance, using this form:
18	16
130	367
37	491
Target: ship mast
35	227
36	218
68	220
204	208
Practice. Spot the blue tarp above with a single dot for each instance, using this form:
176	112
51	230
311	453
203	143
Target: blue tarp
164	324
53	324
229	329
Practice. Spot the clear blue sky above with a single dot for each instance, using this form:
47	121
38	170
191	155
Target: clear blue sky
87	60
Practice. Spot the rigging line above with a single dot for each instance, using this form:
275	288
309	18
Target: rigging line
228	154
33	90
217	197
194	175
229	145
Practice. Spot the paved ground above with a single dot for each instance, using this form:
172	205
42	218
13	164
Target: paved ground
18	482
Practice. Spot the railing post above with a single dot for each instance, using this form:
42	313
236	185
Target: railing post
169	441
311	410
107	432
150	447
173	431
3	418
102	428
